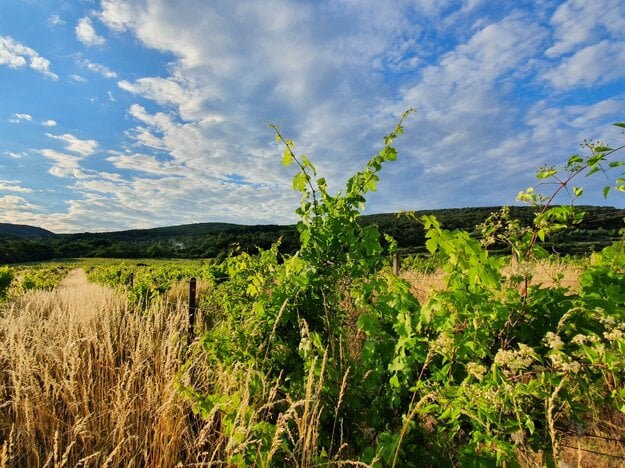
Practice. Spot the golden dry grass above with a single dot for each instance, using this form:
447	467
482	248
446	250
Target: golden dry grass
546	273
86	381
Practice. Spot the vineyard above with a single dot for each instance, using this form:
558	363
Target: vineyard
326	357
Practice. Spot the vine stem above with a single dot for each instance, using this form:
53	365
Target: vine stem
551	403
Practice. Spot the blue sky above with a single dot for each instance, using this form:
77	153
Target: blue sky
141	113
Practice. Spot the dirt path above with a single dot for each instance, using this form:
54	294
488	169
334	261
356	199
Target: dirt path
77	297
75	278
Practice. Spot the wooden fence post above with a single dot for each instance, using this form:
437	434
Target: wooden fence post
192	310
131	280
396	264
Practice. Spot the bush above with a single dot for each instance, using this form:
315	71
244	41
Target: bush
6	277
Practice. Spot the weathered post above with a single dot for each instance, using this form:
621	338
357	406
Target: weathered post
396	264
192	310
131	280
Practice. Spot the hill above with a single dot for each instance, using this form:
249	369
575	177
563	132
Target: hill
23	231
599	228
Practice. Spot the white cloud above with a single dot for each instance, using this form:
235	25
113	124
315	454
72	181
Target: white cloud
334	76
591	66
65	165
14	186
48	123
163	91
98	68
578	23
16	55
55	20
86	33
76	145
10	203
17	118
15	155
77	78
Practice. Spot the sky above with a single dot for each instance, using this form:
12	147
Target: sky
124	114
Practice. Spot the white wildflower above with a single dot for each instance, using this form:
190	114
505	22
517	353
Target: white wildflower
554	341
476	370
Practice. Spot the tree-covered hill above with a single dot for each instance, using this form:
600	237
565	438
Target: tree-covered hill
23	231
209	240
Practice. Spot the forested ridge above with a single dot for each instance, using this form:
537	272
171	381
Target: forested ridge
599	227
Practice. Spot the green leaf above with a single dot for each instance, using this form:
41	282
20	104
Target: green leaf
546	173
620	124
596	159
593	170
431	245
603	149
616	163
606	190
541	234
287	157
578	191
575	159
299	182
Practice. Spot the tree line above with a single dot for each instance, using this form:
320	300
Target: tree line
599	228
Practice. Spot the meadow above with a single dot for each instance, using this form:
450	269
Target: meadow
326	357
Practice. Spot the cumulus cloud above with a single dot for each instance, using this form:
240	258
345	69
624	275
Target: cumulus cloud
580	22
86	33
65	165
16	55
48	123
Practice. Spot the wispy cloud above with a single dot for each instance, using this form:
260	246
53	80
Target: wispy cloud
75	144
13	186
98	68
55	20
11	203
17	118
77	78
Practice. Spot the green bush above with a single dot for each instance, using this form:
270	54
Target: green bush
6	277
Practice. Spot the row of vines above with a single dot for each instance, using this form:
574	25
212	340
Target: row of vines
490	370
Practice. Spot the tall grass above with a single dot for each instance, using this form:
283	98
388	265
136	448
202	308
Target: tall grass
85	380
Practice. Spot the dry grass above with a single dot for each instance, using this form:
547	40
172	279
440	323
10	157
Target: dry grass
85	381
545	273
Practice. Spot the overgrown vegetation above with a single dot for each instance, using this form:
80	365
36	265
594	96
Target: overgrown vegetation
325	357
486	371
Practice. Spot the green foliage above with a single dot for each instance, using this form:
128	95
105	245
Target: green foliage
6	277
45	277
488	368
147	281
